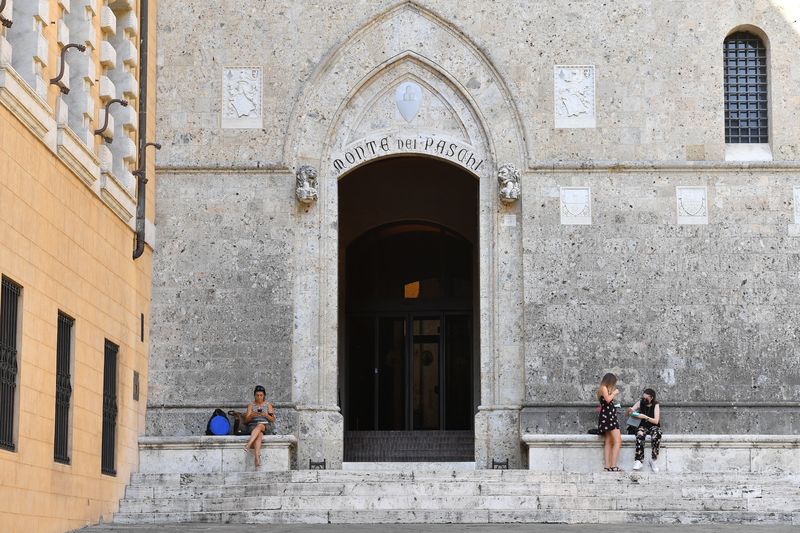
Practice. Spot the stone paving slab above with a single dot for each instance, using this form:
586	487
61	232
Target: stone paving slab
423	528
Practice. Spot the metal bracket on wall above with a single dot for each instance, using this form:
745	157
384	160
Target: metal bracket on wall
123	103
4	21
141	171
54	81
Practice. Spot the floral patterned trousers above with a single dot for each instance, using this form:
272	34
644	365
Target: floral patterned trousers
655	438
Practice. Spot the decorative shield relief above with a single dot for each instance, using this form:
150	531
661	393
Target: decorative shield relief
576	205
692	205
408	97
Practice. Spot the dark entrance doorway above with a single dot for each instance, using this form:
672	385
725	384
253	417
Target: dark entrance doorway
408	360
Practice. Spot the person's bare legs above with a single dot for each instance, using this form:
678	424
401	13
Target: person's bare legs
253	436
616	444
260	428
607	444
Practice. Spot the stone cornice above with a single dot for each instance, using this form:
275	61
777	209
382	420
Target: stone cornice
234	169
661	166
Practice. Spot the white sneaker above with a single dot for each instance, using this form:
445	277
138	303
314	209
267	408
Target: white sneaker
637	465
653	466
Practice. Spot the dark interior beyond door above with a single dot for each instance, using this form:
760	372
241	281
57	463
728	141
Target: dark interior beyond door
409	345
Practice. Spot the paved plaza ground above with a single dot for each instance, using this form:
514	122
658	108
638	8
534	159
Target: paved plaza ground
453	528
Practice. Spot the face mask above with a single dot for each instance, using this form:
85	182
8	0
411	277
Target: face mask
643	401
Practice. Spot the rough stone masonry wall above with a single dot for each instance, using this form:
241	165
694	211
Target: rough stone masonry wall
222	315
707	315
689	325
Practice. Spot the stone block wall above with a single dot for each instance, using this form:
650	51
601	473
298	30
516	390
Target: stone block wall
222	316
706	314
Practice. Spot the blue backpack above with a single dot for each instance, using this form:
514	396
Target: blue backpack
218	424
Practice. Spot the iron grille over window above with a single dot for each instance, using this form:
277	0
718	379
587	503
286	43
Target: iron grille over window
745	89
9	303
109	408
63	388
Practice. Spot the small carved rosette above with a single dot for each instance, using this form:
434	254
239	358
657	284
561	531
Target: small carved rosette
508	180
306	190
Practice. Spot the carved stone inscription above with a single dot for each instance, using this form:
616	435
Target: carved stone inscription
692	205
241	97
378	146
576	205
574	96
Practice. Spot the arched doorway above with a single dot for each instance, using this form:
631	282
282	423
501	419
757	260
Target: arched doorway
408	278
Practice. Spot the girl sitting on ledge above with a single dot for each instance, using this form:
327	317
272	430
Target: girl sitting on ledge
259	414
649	412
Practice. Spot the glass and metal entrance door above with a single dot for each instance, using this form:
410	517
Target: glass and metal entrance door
410	371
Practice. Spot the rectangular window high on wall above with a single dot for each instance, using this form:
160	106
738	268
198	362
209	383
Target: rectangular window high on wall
63	388
109	438
9	314
746	106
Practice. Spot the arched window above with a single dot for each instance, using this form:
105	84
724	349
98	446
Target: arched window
746	109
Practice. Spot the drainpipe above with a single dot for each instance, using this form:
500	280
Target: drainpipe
140	173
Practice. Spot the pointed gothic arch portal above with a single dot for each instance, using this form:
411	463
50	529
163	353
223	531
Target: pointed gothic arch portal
408	85
408	286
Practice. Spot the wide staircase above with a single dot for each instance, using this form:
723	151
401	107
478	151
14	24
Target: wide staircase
412	495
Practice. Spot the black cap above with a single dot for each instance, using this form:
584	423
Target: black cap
259	388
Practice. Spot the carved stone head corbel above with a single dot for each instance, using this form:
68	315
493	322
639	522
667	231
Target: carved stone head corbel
306	190
508	180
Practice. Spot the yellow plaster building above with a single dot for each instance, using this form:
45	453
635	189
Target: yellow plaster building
75	303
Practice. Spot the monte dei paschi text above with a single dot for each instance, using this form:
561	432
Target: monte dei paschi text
370	149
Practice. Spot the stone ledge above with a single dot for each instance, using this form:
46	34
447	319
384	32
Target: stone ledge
208	454
679	453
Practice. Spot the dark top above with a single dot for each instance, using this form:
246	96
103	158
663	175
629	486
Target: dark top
607	418
648	411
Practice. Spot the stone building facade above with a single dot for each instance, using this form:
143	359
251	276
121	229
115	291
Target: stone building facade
75	303
578	148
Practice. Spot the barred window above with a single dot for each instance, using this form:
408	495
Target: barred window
745	89
9	313
107	462
63	388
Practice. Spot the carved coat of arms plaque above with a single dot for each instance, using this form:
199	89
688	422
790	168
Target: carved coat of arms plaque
692	204
574	96
241	97
576	205
408	97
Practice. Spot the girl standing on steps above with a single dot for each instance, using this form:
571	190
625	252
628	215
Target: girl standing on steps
607	423
259	414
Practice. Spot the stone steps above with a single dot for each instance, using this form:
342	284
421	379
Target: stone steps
475	516
682	490
533	502
478	496
511	476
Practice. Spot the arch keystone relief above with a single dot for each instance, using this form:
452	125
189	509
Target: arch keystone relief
415	103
